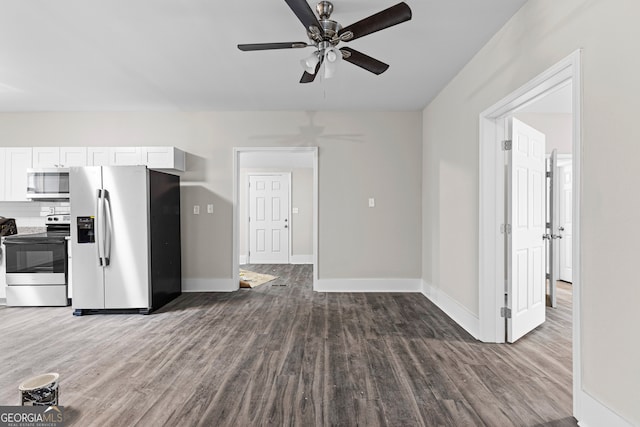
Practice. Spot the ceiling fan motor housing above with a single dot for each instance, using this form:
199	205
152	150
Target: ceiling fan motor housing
330	27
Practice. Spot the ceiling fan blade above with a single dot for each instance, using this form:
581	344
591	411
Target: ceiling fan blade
387	18
305	15
364	61
308	77
267	46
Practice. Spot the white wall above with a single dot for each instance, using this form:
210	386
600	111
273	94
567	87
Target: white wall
361	155
541	34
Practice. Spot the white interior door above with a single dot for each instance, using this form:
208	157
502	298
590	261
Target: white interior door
554	218
526	215
565	226
269	219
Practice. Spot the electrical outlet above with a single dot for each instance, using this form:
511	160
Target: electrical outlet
294	210
196	209
372	202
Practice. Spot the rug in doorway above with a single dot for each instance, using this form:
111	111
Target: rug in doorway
251	279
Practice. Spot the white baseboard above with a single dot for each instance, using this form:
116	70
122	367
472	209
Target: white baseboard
3	301
452	308
594	414
209	285
367	285
301	259
294	259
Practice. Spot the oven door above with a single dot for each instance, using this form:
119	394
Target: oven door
36	263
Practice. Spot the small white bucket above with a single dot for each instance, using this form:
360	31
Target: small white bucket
40	391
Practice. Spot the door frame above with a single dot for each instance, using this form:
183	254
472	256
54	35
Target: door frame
237	151
248	201
563	160
491	203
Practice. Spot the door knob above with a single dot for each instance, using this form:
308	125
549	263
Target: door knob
561	228
286	226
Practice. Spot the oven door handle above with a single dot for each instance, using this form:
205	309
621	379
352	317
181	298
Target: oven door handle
108	228
100	226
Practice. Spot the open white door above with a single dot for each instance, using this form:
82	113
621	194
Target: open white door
526	215
552	238
565	226
269	219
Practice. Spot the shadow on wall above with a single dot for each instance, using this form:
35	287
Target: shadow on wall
206	236
196	168
308	135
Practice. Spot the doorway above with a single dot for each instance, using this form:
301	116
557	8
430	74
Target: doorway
492	250
292	167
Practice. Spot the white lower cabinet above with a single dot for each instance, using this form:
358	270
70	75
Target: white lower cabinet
3	276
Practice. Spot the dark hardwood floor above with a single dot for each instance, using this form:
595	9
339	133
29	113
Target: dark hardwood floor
284	355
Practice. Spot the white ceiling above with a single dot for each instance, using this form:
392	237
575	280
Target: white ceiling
124	55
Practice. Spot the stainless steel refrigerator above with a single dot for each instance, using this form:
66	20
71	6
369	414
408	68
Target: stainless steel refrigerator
125	234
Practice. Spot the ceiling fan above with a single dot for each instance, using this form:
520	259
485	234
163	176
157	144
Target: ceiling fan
325	34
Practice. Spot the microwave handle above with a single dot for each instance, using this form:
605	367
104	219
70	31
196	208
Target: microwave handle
99	225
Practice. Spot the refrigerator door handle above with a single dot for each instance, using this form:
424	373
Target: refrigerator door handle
108	228
99	231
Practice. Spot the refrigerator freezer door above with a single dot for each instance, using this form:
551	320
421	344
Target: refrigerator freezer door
127	278
88	277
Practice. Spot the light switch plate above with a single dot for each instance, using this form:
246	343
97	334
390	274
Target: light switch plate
196	209
294	210
372	202
209	208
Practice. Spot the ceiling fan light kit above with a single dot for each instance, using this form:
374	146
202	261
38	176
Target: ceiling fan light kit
325	34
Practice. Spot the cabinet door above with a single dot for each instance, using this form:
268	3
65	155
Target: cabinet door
97	156
2	177
163	158
73	156
125	156
46	157
16	162
3	277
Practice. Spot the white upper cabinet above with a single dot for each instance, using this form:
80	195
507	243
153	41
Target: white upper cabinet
73	156
126	156
168	158
114	156
46	157
56	157
163	158
16	162
2	178
98	156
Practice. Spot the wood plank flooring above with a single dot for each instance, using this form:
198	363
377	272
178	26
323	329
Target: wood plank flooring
284	355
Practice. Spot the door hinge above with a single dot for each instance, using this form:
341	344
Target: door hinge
548	174
505	228
505	312
507	144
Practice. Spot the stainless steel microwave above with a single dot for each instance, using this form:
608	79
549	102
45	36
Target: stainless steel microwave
48	184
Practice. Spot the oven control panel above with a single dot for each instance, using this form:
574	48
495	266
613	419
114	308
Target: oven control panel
58	219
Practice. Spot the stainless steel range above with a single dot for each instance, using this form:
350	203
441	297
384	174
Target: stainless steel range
37	265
